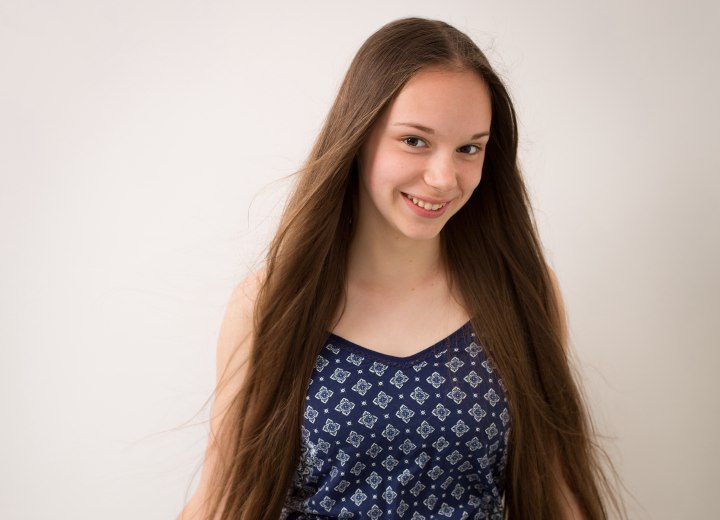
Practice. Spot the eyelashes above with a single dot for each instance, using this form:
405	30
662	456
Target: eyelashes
477	147
416	142
408	141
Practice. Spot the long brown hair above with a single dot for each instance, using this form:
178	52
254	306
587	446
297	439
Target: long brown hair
491	251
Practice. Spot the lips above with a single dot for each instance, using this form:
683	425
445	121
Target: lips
426	204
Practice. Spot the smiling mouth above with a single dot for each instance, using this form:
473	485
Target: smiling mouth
425	204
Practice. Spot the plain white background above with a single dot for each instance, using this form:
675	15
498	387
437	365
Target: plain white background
143	153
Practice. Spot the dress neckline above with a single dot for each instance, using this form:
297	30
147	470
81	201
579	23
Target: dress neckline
442	344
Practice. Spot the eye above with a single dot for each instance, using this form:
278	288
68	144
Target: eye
471	149
414	142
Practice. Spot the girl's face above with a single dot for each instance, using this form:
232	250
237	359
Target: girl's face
424	156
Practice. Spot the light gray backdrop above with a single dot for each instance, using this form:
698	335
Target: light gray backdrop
143	146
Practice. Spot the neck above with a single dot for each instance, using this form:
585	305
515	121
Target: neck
394	264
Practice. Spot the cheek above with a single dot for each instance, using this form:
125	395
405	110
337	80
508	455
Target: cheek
387	172
472	179
376	184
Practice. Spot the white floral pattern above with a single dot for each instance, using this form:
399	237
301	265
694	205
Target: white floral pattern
419	438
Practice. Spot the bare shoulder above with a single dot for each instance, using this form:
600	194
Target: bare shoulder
561	307
553	278
236	331
234	346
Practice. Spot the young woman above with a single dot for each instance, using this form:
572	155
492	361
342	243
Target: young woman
403	352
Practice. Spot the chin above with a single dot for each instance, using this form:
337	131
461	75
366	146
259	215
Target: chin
421	234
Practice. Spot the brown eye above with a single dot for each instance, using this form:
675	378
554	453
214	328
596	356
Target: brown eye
470	149
415	142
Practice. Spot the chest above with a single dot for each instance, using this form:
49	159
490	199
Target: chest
400	328
433	425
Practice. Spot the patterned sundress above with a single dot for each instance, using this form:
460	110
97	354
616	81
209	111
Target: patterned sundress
420	437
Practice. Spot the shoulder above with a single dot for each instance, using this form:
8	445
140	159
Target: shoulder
554	283
557	295
242	299
233	348
235	338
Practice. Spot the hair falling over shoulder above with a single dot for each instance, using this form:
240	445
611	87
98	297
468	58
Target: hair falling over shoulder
493	254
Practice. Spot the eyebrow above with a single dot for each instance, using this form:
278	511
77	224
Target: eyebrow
431	131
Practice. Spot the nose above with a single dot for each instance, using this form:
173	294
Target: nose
441	173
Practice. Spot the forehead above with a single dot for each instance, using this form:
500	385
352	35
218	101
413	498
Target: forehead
448	101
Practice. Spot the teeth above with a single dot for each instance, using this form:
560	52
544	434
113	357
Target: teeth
426	205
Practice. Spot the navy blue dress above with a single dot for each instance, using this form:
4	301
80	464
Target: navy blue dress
420	437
